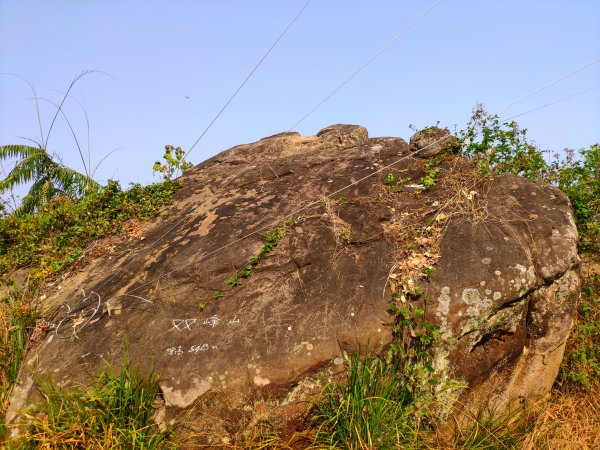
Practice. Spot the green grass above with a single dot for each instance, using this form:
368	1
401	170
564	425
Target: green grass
375	409
114	413
17	320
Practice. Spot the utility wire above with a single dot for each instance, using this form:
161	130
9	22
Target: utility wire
564	77
568	97
333	194
296	17
249	76
365	64
251	163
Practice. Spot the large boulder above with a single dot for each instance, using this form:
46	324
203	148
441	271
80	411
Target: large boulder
280	257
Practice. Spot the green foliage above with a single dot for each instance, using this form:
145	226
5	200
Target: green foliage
500	148
234	281
55	237
50	179
271	241
578	176
18	316
38	166
116	412
503	148
430	177
389	180
175	164
376	409
580	369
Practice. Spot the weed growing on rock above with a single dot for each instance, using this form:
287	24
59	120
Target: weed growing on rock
234	281
175	164
271	241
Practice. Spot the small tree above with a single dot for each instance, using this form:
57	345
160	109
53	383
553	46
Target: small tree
35	165
50	179
578	176
175	164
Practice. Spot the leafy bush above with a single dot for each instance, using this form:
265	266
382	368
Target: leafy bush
500	147
55	237
174	165
578	176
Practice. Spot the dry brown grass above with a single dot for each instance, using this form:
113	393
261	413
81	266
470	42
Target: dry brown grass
569	421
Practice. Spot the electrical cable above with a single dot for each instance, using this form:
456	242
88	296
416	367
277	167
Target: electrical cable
340	86
564	77
248	77
568	97
315	202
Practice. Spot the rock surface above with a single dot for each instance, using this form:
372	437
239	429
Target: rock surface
432	141
233	344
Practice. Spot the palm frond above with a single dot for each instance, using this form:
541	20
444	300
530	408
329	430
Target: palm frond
17	151
71	182
33	166
39	195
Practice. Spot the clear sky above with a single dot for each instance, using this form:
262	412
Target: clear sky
173	64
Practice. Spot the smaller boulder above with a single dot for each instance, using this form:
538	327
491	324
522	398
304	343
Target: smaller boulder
344	135
433	140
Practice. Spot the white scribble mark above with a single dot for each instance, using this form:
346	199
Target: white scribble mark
182	324
141	298
235	319
213	321
76	324
198	348
175	351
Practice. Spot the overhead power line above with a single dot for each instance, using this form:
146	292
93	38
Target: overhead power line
295	213
249	76
251	163
366	63
568	97
552	83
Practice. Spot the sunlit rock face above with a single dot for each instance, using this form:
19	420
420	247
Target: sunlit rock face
275	261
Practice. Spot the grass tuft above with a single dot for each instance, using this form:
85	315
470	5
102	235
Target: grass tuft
114	413
376	409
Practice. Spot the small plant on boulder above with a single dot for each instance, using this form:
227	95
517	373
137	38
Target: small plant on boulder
175	164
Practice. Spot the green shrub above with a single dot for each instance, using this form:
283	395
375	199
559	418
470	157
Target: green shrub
578	176
53	238
500	148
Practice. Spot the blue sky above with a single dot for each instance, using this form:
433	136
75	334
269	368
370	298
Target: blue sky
172	65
